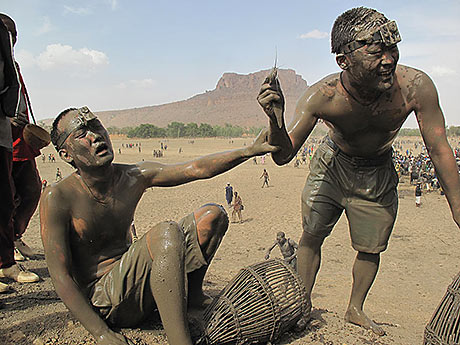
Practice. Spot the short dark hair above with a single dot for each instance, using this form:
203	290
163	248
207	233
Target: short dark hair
54	130
350	23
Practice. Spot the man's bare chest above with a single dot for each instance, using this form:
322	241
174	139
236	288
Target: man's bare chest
386	115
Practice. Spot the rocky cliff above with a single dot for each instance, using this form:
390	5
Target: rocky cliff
232	101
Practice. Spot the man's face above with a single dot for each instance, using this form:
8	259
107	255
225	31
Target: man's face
374	65
280	238
89	144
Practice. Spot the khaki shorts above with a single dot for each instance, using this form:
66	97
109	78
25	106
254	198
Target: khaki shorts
123	296
365	188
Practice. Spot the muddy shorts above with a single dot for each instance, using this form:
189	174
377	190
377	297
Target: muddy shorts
123	296
365	188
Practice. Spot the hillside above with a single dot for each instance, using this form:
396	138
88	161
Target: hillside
232	101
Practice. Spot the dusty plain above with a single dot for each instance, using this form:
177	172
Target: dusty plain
420	262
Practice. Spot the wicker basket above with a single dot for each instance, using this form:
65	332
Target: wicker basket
444	326
258	305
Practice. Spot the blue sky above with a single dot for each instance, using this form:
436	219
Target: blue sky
116	54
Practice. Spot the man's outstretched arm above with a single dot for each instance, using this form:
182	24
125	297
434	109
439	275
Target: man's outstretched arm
54	219
267	253
157	174
432	127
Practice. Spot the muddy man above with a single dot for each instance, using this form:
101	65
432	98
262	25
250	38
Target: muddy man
364	107
103	279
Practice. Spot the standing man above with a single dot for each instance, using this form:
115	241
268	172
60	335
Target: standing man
229	193
9	93
364	106
418	194
265	177
237	208
103	279
26	178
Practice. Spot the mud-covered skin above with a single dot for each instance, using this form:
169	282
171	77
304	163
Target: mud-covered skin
364	106
86	219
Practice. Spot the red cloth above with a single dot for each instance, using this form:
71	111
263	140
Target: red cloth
21	150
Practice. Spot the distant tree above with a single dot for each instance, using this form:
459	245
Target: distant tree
146	130
409	132
453	131
175	129
253	131
206	130
191	130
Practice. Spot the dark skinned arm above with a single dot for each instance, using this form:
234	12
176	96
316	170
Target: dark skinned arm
267	254
157	174
54	219
432	127
288	139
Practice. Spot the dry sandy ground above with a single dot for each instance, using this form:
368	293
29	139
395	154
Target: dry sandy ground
420	262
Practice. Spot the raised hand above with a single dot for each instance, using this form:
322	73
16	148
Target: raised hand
271	98
260	145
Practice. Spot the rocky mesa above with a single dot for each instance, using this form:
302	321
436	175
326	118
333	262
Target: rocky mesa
233	101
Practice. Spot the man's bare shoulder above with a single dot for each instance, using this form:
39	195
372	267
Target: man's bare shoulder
59	193
415	83
322	92
411	77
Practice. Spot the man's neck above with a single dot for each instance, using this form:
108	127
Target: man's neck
362	94
98	180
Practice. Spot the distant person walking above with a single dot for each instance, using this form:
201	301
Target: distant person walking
237	208
418	194
265	177
58	175
229	194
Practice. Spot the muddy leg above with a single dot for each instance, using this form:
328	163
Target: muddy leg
364	271
211	224
308	263
166	248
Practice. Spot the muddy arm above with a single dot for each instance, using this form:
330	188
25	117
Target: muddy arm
157	174
267	254
432	127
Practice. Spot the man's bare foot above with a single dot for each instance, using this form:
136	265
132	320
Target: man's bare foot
199	300
304	320
357	317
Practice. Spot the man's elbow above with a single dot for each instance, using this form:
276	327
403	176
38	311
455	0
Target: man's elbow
281	160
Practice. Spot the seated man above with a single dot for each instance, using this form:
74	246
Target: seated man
102	278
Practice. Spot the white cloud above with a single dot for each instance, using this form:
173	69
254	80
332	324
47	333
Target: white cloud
25	58
441	71
45	27
82	11
136	83
66	59
113	4
315	34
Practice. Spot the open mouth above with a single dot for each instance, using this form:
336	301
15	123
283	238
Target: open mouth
102	149
386	73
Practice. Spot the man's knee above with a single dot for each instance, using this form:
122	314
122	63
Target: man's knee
310	241
212	218
165	237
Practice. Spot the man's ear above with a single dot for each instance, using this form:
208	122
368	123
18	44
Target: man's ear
65	156
342	61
